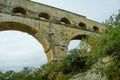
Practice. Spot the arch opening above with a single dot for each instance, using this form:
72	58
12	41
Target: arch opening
78	44
65	21
44	15
30	30
19	10
96	29
18	50
82	25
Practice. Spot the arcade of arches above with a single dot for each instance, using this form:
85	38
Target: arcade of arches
50	48
22	46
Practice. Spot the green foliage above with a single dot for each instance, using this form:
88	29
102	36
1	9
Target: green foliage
113	71
113	21
55	70
49	71
110	45
72	63
1	75
23	75
110	42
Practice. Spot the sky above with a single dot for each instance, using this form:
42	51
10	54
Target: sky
97	10
18	49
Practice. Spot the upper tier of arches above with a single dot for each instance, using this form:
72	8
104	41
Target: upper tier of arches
63	20
44	12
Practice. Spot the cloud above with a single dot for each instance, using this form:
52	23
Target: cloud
97	10
19	49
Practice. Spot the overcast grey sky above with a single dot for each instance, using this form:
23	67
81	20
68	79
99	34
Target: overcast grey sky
18	49
97	10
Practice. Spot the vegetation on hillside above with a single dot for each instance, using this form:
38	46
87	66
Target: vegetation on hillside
55	70
79	61
110	46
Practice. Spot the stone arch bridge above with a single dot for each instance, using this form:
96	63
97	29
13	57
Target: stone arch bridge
52	27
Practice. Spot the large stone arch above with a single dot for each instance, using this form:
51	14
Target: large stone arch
30	30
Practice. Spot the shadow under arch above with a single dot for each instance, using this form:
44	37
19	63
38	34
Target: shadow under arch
19	10
18	27
28	29
78	36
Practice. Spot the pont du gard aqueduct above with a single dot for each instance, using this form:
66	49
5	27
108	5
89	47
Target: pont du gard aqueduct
54	28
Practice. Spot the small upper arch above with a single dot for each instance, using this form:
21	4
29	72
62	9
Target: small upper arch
96	29
65	21
19	10
82	25
44	15
18	27
79	37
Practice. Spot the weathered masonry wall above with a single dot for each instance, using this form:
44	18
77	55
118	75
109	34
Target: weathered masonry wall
53	28
32	9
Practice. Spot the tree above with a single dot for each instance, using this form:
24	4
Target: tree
113	21
8	75
1	76
110	46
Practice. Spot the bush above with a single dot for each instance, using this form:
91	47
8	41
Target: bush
72	63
